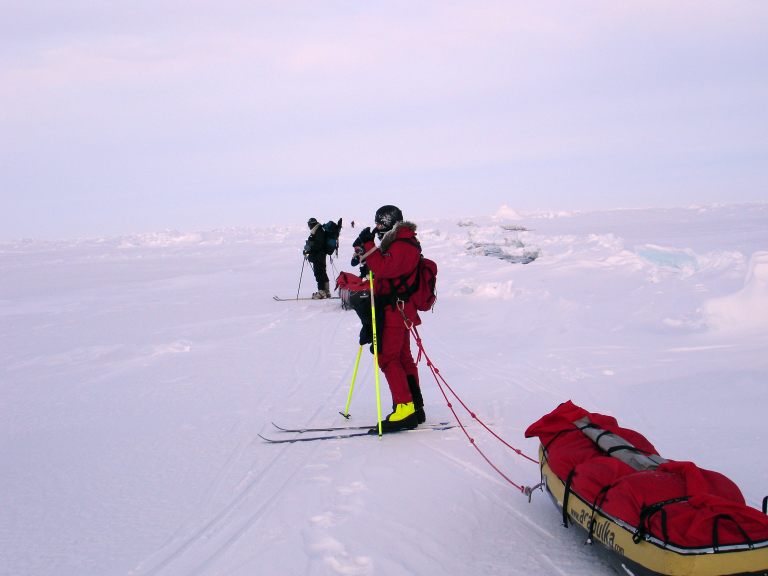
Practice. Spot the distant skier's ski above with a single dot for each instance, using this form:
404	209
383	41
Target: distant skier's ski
438	425
371	432
278	299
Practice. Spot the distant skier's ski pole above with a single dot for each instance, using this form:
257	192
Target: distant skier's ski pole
352	385
303	262
375	354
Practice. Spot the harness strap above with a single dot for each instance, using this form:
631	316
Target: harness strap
399	288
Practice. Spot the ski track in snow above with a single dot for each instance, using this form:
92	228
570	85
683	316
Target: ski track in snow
226	527
198	550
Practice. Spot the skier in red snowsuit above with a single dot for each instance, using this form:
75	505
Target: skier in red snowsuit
393	265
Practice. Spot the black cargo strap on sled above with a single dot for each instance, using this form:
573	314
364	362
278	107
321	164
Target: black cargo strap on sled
765	505
587	425
612	449
715	540
556	436
628	447
566	495
601	496
599	436
646	513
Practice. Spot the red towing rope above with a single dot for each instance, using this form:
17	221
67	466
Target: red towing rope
442	385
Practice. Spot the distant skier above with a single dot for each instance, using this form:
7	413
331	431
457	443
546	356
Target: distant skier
393	264
315	252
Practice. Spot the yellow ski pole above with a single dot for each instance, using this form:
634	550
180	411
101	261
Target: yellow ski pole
375	353
352	386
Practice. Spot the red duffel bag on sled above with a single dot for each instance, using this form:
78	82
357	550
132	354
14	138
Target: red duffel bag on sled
656	516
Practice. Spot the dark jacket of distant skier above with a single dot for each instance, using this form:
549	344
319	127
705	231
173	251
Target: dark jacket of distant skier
394	265
315	252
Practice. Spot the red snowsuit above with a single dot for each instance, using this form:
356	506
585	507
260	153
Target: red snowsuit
393	260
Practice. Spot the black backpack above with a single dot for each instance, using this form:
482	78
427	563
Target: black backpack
332	230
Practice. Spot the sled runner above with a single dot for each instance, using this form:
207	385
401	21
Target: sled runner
655	516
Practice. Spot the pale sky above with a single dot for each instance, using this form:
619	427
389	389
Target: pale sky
120	117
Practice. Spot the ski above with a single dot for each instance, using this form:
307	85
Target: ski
439	425
278	299
312	438
340	435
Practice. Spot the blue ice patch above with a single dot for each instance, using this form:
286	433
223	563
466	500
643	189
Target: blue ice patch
680	259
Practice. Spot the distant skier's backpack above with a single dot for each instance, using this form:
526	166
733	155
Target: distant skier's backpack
332	230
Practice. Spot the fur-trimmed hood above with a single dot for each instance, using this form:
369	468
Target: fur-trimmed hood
390	236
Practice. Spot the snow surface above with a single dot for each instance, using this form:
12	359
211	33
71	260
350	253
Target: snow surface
136	373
